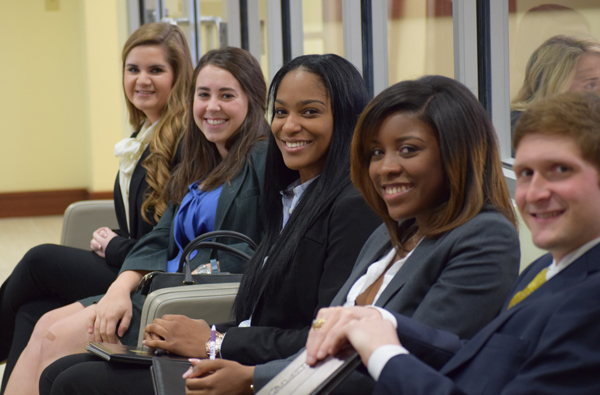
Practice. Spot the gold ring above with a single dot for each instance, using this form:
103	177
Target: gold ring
317	323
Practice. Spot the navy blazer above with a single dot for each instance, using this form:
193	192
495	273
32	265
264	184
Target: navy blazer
549	343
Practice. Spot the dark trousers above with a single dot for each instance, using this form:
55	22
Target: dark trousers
87	374
49	276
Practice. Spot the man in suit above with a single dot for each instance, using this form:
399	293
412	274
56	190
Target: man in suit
546	339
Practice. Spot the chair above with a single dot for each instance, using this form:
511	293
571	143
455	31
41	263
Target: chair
212	302
81	219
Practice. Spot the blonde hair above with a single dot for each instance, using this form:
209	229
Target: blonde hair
170	129
551	68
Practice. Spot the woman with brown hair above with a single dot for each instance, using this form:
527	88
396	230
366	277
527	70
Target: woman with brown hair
217	185
425	158
315	224
157	70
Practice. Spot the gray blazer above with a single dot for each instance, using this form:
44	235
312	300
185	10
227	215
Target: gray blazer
456	282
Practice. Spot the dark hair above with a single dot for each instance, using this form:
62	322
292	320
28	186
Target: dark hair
468	151
574	114
200	158
348	97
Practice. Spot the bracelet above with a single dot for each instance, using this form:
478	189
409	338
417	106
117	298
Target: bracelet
218	340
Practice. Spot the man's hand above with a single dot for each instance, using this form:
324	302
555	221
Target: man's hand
368	334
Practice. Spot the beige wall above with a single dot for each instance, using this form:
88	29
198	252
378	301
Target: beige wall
61	103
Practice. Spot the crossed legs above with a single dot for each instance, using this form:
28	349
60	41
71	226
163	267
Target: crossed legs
61	332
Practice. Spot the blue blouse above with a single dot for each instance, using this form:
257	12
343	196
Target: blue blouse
196	216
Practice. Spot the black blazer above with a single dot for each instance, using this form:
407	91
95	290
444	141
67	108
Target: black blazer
119	246
549	343
323	260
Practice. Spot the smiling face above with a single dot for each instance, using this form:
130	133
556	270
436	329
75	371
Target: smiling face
587	73
220	105
406	168
303	123
557	193
148	78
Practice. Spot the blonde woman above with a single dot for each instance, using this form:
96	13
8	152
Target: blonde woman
561	64
157	70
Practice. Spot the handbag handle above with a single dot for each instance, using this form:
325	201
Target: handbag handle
225	233
199	242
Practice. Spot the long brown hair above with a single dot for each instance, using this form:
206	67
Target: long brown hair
200	158
170	129
468	149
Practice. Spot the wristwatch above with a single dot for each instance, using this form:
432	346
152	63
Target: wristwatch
218	340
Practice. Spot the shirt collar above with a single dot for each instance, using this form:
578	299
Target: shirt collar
556	267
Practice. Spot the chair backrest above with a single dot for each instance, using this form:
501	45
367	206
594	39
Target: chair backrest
81	219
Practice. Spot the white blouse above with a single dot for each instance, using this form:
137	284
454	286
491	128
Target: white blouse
373	273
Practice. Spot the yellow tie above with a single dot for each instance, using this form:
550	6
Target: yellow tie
532	286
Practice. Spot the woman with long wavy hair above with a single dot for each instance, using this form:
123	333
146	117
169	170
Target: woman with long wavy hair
216	186
316	222
157	70
425	158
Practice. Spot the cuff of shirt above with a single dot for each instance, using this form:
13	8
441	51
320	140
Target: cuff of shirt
386	315
381	356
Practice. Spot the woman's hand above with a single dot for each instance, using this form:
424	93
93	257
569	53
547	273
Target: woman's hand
100	239
115	306
178	334
218	377
327	340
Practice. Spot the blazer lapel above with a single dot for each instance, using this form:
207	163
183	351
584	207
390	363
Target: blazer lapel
379	243
575	273
412	264
228	193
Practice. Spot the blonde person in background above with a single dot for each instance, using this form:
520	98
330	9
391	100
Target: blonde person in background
561	64
157	70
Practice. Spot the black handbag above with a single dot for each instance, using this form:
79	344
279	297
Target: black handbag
158	280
